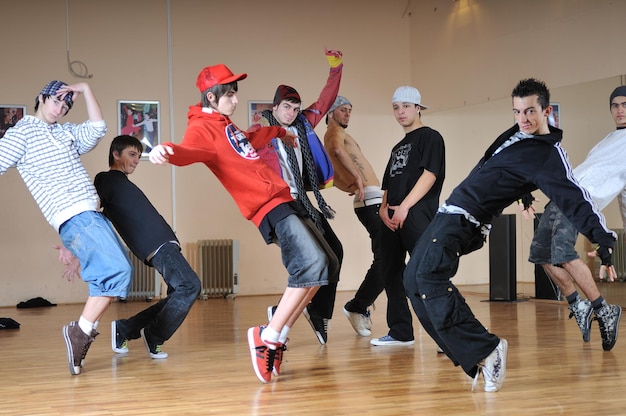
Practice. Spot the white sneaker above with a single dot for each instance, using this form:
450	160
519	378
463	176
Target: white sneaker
493	368
389	340
361	323
154	350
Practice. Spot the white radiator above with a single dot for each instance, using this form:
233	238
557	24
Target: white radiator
145	282
619	256
216	262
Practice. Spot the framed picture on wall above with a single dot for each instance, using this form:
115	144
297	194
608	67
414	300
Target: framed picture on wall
555	117
140	119
10	114
254	110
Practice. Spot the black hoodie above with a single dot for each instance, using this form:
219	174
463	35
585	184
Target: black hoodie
534	163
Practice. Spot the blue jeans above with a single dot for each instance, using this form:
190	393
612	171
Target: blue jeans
104	263
303	253
374	282
440	307
163	318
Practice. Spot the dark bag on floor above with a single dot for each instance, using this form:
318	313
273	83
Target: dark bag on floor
8	323
37	302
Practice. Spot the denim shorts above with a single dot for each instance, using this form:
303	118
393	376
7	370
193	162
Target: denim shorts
555	239
104	263
305	260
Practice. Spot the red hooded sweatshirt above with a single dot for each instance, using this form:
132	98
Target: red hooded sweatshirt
213	139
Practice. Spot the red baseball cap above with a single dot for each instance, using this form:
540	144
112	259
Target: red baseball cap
216	75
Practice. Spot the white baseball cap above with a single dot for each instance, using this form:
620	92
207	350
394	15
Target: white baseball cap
408	94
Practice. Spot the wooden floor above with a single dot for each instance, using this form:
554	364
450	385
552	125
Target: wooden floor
550	370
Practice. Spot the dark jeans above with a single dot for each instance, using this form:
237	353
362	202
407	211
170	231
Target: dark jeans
163	318
324	300
440	307
374	282
396	245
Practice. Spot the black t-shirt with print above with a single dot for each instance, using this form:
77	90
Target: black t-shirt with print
420	149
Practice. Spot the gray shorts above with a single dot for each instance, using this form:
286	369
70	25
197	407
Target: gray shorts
555	239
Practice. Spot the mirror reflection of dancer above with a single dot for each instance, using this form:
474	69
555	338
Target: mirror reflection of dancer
603	174
262	197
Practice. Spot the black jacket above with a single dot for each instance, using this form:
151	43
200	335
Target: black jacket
535	163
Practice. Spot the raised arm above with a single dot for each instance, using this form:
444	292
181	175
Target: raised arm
317	111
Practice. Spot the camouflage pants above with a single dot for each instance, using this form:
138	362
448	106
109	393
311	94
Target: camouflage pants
555	239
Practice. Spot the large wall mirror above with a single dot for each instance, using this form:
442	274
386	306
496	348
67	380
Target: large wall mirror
586	119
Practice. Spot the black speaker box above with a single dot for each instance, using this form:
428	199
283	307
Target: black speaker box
502	261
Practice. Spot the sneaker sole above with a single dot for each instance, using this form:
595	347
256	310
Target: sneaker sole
378	343
305	312
252	346
114	340
70	358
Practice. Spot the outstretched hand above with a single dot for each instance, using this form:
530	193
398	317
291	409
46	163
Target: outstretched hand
72	265
160	154
607	270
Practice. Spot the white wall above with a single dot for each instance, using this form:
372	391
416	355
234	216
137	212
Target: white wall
464	56
125	46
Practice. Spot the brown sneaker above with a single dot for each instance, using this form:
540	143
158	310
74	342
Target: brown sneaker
77	344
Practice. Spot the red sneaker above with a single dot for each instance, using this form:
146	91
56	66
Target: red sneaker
262	356
278	358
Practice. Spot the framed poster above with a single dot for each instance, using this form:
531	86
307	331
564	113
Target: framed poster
141	120
10	114
255	108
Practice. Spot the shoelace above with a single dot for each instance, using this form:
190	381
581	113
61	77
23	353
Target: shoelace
269	359
279	353
480	369
579	316
488	375
368	315
83	353
269	356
